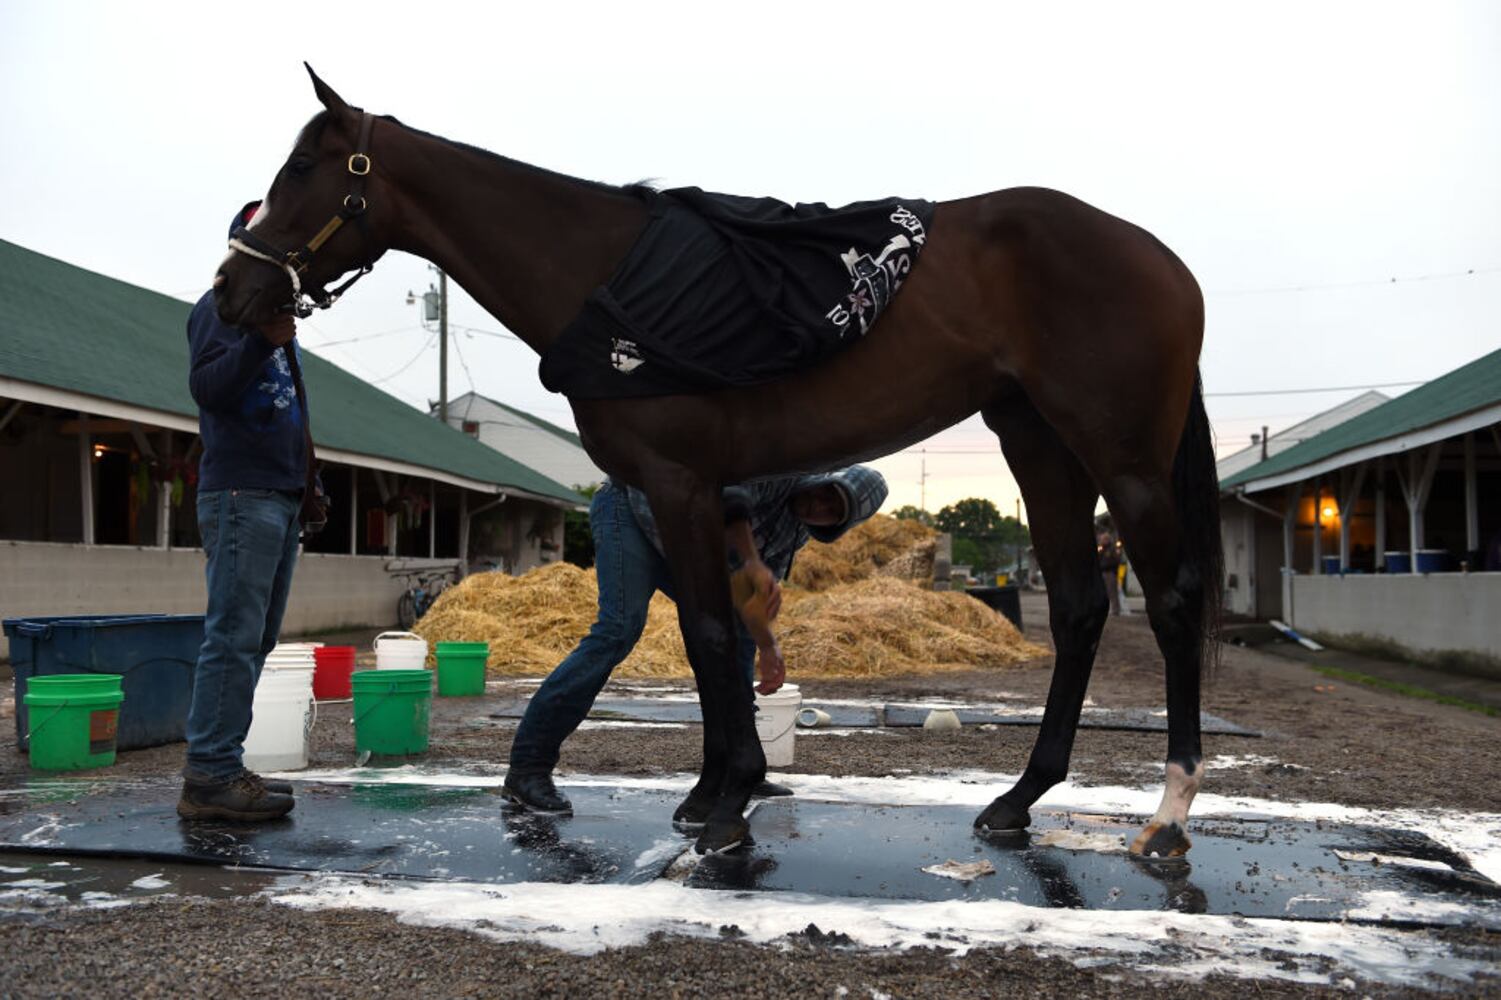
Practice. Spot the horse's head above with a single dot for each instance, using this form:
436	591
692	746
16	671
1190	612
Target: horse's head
321	219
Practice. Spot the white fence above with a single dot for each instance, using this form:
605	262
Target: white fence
1422	611
47	578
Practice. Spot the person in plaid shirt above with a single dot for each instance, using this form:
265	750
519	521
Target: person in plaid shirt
768	521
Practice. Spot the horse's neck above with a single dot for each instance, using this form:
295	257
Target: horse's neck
529	245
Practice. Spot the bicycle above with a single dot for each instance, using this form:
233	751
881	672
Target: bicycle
419	595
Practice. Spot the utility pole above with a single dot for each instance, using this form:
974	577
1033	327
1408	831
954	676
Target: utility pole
443	345
435	307
923	482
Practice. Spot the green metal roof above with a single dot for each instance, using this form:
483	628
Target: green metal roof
72	329
1476	385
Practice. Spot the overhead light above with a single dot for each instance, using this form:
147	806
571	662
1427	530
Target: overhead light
1329	510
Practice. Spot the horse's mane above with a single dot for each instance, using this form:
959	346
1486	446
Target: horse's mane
638	189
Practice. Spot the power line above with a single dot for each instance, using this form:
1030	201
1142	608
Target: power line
460	351
1327	388
365	336
420	352
1279	289
486	333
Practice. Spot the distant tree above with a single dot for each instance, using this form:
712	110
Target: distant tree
578	540
981	533
907	512
967	552
971	518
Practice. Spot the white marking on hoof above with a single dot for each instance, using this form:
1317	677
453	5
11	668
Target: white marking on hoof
1177	796
721	850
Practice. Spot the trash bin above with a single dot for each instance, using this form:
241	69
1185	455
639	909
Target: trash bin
1432	561
154	653
1006	600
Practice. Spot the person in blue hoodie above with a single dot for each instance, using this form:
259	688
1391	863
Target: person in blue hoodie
250	487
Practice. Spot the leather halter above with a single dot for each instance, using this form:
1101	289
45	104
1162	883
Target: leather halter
295	262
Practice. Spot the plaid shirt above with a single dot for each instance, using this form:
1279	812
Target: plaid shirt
777	531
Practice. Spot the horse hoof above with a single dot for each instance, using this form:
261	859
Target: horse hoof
1002	819
692	814
1161	840
721	837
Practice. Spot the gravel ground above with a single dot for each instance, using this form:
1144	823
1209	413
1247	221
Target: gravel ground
1351	745
251	948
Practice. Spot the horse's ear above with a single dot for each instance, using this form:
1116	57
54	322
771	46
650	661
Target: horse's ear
331	100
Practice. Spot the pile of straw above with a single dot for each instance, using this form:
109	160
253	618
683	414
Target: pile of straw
881	546
534	620
875	627
882	627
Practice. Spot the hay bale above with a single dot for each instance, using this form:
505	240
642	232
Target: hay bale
872	627
534	620
880	546
882	627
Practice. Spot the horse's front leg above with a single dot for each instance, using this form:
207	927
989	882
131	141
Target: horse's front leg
690	520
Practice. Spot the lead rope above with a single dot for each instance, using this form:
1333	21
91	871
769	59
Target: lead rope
249	251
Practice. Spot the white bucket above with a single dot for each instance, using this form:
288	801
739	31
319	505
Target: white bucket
400	651
281	717
776	722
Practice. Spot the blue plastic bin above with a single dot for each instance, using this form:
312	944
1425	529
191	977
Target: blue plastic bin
1432	561
155	654
1331	565
1399	562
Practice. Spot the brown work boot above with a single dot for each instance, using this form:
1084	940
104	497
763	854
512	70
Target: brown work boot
243	797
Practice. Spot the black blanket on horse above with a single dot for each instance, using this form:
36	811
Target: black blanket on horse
721	290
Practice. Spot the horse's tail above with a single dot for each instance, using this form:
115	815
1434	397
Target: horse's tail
1196	494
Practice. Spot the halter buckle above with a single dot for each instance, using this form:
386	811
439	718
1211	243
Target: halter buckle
352	209
359	164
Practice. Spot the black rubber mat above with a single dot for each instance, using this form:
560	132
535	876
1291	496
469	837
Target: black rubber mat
1278	868
413	831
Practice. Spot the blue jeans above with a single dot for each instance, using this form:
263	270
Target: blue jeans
250	538
630	570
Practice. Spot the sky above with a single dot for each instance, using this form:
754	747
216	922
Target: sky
1331	172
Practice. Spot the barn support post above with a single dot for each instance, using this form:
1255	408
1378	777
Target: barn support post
1416	486
387	490
1351	480
86	476
354	510
1289	537
1472	501
1380	513
463	533
432	518
1318	526
164	494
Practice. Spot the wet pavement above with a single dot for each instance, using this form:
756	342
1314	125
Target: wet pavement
111	835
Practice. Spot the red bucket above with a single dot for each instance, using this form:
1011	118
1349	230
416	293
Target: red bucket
332	668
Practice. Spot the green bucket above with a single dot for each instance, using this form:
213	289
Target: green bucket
391	710
73	720
461	668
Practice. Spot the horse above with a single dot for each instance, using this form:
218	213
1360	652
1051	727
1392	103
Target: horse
1073	333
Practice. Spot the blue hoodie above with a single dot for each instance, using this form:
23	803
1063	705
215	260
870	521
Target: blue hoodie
248	413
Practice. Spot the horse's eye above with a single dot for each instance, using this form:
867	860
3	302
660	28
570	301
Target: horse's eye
299	166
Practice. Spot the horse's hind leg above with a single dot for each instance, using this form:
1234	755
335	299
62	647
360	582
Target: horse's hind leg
1060	500
1145	512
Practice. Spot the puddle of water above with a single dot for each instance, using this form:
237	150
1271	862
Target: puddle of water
33	884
